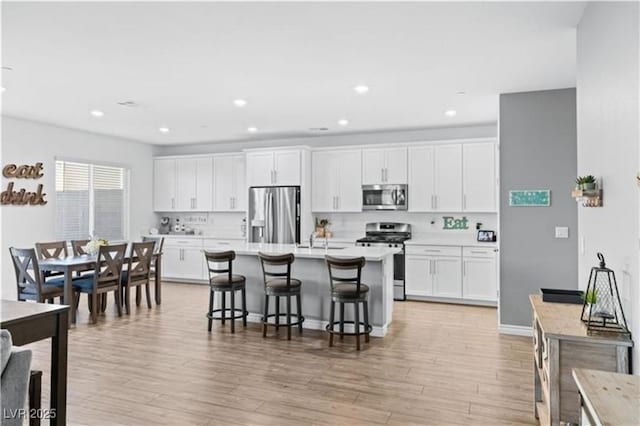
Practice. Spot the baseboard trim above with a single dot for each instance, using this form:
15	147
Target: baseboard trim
314	324
515	330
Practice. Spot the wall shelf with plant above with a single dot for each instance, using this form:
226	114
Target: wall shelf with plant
587	191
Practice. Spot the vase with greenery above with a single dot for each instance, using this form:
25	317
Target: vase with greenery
586	183
321	227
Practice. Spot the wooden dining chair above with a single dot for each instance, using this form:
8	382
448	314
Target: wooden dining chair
157	250
106	277
138	272
52	250
79	247
29	281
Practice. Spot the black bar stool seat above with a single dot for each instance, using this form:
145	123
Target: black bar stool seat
223	280
278	283
348	289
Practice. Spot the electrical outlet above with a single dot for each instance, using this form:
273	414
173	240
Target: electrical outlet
562	232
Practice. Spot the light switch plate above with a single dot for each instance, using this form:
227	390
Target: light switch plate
562	232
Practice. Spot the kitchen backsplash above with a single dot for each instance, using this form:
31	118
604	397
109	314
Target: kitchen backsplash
222	225
352	225
343	225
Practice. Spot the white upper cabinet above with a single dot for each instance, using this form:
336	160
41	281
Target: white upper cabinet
229	189
274	168
164	185
336	181
480	181
421	178
182	184
384	166
448	178
435	178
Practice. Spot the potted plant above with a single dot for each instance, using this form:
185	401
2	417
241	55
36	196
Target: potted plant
586	183
321	227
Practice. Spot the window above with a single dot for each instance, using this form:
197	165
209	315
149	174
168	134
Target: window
91	200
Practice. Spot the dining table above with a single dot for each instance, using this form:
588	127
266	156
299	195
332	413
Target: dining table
71	265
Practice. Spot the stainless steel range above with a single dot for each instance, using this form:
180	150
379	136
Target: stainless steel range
389	234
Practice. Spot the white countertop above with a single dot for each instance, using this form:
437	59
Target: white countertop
318	252
448	240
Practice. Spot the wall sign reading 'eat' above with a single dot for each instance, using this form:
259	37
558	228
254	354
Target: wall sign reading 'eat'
21	196
451	222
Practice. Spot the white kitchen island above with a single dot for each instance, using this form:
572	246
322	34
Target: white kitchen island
310	268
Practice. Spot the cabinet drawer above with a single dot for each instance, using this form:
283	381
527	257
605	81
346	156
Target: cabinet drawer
215	244
478	252
433	250
185	242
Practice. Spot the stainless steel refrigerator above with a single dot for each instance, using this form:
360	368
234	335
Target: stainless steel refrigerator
274	214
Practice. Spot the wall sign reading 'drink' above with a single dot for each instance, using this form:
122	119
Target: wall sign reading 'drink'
451	222
21	196
530	198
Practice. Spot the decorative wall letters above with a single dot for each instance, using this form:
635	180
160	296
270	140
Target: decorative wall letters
451	222
22	196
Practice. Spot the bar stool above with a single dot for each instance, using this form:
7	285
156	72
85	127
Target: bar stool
348	289
279	283
224	280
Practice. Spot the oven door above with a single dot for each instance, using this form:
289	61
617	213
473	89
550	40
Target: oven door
384	197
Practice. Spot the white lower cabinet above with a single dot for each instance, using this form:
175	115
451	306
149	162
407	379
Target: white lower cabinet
479	275
183	260
451	272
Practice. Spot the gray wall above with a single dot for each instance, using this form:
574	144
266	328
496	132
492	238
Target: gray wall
343	139
537	151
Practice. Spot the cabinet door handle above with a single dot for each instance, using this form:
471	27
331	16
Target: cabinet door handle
464	268
434	268
173	203
275	176
464	201
337	202
435	199
233	202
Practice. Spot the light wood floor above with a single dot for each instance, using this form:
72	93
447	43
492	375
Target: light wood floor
439	364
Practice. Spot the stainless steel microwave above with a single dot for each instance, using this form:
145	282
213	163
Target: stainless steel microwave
384	197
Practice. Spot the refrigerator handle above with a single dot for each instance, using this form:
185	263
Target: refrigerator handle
268	218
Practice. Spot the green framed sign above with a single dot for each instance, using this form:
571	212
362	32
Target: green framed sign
530	198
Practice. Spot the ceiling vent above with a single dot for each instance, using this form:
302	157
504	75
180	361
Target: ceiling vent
128	104
318	129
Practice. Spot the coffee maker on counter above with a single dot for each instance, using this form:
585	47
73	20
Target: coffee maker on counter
165	225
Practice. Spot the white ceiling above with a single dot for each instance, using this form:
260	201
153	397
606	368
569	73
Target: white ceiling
294	63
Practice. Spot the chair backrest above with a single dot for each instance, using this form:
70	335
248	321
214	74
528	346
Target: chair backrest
25	264
339	268
109	265
276	266
140	261
79	247
54	249
215	259
159	243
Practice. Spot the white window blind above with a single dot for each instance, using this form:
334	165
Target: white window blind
91	199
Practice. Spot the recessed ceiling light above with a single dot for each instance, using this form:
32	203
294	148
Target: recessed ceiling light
252	129
343	122
97	113
240	103
450	113
462	92
163	129
361	89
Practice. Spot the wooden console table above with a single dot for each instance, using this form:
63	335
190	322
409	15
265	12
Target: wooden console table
608	398
561	344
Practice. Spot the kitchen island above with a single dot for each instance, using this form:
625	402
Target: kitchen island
310	268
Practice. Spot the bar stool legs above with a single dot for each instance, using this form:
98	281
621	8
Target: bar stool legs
288	315
359	328
232	313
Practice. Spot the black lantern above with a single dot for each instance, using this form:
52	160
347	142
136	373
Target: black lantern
602	310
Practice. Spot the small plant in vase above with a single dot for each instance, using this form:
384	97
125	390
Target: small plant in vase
586	183
321	227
